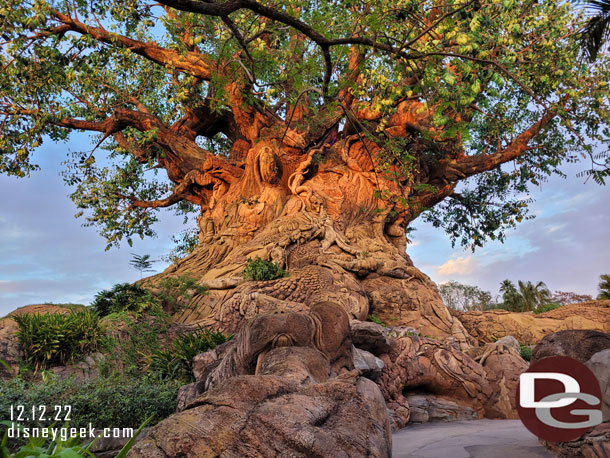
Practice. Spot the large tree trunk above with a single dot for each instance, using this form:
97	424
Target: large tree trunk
320	219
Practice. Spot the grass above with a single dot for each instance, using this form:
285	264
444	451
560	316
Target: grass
375	319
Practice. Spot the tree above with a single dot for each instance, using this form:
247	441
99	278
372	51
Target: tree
604	287
462	297
284	125
141	263
566	297
527	298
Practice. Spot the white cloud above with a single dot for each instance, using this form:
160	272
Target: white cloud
458	266
554	227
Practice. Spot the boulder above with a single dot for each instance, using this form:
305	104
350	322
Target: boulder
594	444
599	364
503	363
580	344
109	447
81	370
511	342
529	328
370	336
286	386
370	366
203	361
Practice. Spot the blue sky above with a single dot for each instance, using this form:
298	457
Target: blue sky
47	256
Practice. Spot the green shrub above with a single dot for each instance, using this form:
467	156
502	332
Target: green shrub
176	291
133	340
54	338
123	297
259	270
546	307
526	352
123	403
375	319
177	361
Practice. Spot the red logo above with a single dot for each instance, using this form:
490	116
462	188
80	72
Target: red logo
559	399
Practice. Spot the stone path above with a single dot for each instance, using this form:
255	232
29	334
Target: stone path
468	439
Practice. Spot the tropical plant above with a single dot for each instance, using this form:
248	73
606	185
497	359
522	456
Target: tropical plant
543	308
176	292
525	299
260	270
133	340
177	361
4	365
526	352
604	287
56	338
123	297
597	29
40	447
141	263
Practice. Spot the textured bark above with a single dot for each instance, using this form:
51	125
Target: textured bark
331	253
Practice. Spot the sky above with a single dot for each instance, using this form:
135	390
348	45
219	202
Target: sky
47	256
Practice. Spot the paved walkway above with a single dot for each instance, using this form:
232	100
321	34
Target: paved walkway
468	439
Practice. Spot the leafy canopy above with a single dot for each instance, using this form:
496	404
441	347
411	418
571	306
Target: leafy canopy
483	73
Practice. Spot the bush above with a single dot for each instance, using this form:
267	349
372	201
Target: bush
176	291
123	297
101	402
546	307
526	352
259	270
54	338
177	361
133	340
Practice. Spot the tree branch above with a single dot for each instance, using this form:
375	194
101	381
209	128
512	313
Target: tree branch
191	63
472	165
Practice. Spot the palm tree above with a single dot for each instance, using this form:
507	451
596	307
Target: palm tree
142	263
533	295
597	30
604	287
525	299
511	297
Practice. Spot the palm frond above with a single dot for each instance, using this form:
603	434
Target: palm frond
596	32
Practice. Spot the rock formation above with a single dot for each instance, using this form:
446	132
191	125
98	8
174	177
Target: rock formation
578	344
599	364
288	385
529	328
593	349
285	386
594	444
